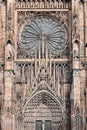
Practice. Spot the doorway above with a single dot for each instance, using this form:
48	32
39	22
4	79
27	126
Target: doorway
43	125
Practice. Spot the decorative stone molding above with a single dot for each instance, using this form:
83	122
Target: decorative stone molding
42	4
8	73
84	65
76	73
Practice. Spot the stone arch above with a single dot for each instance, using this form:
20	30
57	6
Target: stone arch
9	41
8	48
43	106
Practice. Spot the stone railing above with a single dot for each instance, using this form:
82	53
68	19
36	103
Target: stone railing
43	4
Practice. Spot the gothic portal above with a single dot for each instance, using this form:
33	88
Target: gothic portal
43	64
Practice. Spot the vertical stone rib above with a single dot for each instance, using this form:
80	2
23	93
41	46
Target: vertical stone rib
50	63
23	74
54	73
39	53
28	78
43	45
35	63
46	55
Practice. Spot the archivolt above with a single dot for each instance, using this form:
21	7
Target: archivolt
46	98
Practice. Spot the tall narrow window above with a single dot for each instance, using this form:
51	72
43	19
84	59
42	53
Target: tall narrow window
38	125
48	125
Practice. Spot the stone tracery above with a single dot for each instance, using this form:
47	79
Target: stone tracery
47	84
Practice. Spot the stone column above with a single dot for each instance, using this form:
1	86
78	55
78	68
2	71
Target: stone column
76	63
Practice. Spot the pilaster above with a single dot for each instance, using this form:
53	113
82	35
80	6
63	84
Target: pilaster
8	117
76	88
10	18
8	112
85	25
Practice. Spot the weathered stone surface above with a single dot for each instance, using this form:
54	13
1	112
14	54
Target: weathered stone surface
41	79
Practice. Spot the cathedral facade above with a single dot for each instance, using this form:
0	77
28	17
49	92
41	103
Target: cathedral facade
43	65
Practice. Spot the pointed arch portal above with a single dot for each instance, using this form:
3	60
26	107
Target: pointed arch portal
43	112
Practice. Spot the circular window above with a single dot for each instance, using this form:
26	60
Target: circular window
43	31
